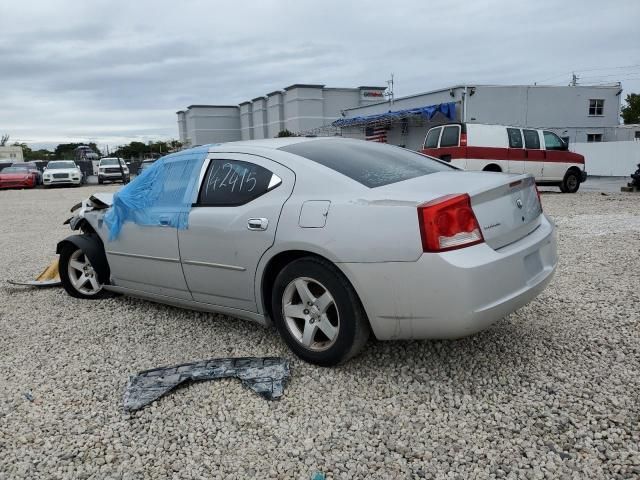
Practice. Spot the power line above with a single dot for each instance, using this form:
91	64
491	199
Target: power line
579	70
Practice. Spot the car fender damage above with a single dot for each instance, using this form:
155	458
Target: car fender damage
92	246
267	376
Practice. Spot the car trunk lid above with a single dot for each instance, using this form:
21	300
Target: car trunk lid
506	206
507	212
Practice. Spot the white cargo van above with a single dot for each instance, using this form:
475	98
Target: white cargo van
500	148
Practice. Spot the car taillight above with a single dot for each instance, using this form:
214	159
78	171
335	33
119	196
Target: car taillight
463	139
539	198
447	223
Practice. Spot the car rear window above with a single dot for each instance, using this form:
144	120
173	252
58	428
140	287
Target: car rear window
369	163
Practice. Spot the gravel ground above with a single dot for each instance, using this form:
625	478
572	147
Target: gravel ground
550	391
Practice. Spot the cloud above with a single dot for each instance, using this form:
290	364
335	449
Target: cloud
114	71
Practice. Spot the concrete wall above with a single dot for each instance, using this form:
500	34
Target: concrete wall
246	121
275	114
627	132
211	124
182	126
609	158
564	110
259	117
303	108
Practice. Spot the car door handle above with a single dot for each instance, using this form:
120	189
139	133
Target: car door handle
164	222
257	224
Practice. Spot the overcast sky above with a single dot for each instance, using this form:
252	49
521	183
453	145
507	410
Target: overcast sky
117	70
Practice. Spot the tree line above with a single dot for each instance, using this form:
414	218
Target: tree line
66	151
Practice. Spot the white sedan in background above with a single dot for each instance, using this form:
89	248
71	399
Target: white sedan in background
329	239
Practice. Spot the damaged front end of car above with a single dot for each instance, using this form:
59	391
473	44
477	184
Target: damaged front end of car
87	218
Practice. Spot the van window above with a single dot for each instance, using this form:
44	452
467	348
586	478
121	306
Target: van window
515	138
531	139
432	138
553	142
450	136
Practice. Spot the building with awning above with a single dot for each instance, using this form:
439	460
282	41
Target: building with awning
578	113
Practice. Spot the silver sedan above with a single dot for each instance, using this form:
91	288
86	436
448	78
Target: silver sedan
329	239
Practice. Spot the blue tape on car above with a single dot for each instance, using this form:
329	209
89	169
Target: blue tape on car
161	195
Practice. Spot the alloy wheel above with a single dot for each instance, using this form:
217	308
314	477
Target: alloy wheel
82	275
311	314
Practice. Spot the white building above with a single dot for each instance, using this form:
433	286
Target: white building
577	113
297	108
11	153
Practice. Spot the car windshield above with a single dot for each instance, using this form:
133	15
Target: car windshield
57	165
110	161
371	164
15	170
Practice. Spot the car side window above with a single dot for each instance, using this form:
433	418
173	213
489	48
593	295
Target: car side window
515	137
553	142
531	139
229	183
432	138
450	136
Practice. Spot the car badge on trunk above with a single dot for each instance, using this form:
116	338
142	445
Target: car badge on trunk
519	203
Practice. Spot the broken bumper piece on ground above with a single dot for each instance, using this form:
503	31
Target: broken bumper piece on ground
267	376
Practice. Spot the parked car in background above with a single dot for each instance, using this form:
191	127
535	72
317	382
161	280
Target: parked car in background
17	177
33	168
110	171
499	148
61	172
146	164
328	238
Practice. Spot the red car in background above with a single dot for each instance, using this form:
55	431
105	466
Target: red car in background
17	177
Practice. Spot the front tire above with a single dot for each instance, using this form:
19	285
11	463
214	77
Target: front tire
78	276
318	313
570	183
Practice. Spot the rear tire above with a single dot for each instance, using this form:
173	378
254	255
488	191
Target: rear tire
570	183
492	168
78	277
318	313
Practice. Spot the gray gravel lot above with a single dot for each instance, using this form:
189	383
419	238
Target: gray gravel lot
551	391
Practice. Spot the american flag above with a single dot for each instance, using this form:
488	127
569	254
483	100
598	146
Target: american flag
376	134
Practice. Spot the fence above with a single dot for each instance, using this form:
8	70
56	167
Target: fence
609	159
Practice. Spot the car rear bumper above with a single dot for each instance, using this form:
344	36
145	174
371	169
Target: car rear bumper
456	293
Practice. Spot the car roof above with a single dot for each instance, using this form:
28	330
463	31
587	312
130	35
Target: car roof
270	143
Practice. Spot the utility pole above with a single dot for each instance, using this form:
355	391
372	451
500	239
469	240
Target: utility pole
389	92
574	79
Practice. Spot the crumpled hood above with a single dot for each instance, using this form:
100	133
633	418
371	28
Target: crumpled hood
103	197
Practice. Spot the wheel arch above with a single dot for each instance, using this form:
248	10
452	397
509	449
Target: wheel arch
93	248
574	168
492	167
276	263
